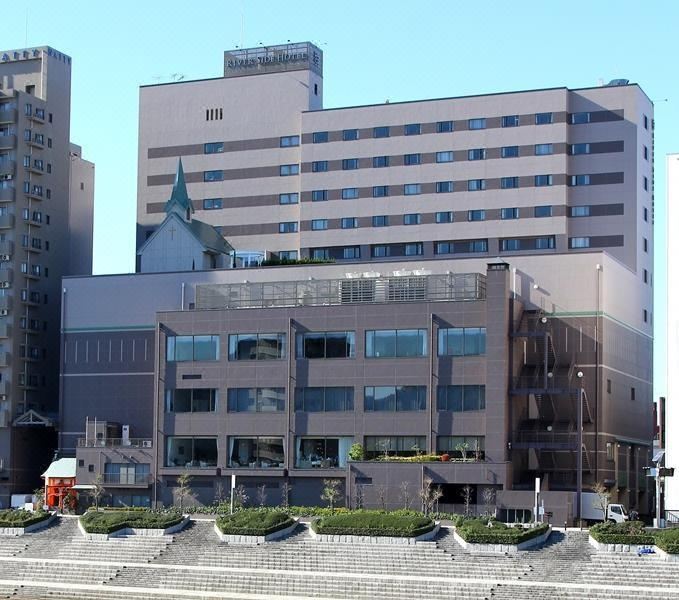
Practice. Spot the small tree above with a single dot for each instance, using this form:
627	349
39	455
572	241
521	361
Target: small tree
240	496
286	488
462	448
331	491
97	490
477	451
466	494
39	494
219	493
356	452
488	497
385	447
183	491
359	496
261	495
603	498
429	495
381	493
405	495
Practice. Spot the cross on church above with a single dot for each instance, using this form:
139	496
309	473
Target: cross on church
172	230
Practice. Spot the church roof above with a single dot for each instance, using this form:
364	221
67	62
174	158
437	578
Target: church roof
209	237
180	195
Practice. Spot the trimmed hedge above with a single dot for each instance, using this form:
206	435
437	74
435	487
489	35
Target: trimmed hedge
21	517
374	523
476	531
254	522
668	540
628	532
109	521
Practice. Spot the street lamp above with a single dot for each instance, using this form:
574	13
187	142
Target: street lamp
581	392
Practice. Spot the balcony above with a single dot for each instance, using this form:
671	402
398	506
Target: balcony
115	443
6	221
6	277
127	479
35	170
6	248
31	274
36	142
7	193
5	359
7	167
8	142
8	116
38	115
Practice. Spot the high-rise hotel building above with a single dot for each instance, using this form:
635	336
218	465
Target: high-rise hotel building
46	199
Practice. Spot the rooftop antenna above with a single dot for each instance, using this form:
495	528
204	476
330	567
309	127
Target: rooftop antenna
26	40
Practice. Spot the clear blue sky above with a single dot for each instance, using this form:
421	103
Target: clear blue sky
373	51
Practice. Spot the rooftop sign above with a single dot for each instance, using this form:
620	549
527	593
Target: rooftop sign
273	59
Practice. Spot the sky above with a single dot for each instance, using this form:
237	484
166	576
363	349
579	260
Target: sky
374	50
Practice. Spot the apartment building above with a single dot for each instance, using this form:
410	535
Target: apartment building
46	188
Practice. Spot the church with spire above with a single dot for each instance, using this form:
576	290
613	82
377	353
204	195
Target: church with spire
182	243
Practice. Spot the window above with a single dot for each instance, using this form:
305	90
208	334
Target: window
256	400
543	149
443	187
349	135
461	247
633	395
349	223
580	118
319	224
381	251
126	473
509	183
476	185
191	400
381	132
579	211
580	149
645	122
645	316
380	161
645	245
395	343
477	123
320	254
349	164
380	220
414	249
545	243
322	453
476	215
412	129
349	193
256	346
324	399
256	452
319	137
191	453
287	227
461	398
213	147
284	255
213	175
543	180
579	242
411	219
645	214
509	213
444	217
395	445
476	154
510	121
286	170
319	195
444	127
183	348
543	118
326	344
579	180
509	245
444	157
395	398
645	152
291	198
319	166
645	276
542	211
212	203
412	189
458	446
289	140
645	183
351	252
380	191
411	159
462	341
509	151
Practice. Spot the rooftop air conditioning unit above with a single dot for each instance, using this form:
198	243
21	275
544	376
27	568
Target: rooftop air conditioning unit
3	312
147	444
5	257
5	284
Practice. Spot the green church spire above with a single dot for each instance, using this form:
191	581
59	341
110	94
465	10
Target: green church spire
179	201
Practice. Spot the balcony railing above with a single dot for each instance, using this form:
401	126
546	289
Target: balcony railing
554	440
127	478
366	289
115	443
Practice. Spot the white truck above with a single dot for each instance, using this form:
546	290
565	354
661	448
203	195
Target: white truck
593	511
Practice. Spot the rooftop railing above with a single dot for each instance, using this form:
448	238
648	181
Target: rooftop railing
115	442
350	290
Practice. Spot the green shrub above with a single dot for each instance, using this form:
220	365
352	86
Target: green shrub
668	540
21	517
356	452
374	523
476	531
628	532
254	522
108	521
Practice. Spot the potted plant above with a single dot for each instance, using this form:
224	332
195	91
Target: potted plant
445	457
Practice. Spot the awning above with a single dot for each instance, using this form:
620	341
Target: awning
82	486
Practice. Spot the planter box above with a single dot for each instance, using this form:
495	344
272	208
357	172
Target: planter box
134	531
503	548
254	539
632	549
375	539
24	530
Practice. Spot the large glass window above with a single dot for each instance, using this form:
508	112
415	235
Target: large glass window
461	398
191	453
543	211
256	452
380	161
581	149
580	118
319	166
543	118
470	447
286	170
191	400
412	219
213	175
391	343
322	453
510	121
444	127
462	341
319	137
324	399
381	132
476	154
543	180
291	198
444	217
289	140
399	398
476	215
412	159
349	135
326	344
213	147
182	348
444	156
394	445
288	227
476	185
380	191
509	213
509	183
127	473
412	189
349	164
543	149
256	346
509	152
412	129
477	123
256	400
349	193
319	195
